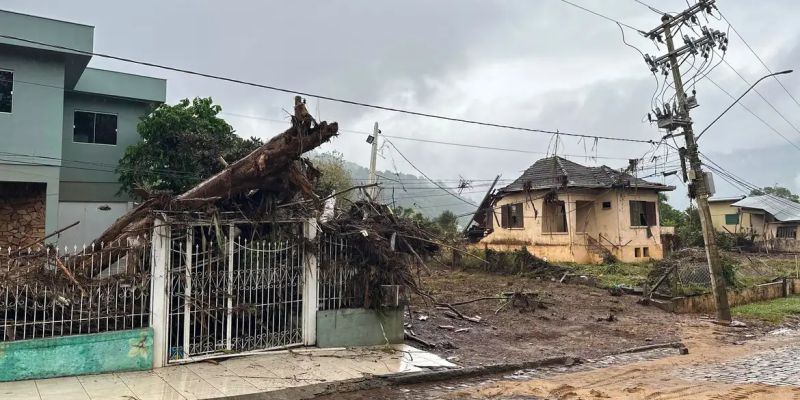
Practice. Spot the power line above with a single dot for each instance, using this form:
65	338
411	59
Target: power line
758	57
318	96
772	128
603	16
426	176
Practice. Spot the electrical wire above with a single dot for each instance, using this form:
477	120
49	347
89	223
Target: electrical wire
758	57
603	16
318	96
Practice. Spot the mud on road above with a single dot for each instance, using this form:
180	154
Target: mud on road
572	319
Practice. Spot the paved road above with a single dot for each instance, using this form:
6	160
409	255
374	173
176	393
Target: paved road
766	368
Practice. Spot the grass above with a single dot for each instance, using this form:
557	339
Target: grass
613	274
774	311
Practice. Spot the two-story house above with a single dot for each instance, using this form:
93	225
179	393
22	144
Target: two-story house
63	129
564	211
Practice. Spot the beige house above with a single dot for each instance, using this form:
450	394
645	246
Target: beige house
564	211
725	217
773	220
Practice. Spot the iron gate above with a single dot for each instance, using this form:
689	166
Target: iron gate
236	295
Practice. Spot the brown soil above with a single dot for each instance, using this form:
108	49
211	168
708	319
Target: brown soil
573	320
657	379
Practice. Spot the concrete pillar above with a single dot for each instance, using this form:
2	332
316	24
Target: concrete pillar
310	284
159	268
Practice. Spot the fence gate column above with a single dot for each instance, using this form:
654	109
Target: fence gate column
158	291
310	285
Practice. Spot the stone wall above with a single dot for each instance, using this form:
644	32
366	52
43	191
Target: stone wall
22	213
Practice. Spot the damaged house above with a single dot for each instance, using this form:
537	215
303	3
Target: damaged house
564	211
772	221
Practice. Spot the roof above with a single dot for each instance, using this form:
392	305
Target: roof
726	199
120	84
556	171
782	209
76	40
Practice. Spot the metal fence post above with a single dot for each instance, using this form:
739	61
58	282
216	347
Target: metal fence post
310	284
158	291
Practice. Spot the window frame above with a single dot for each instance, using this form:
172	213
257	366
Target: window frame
11	110
650	220
727	216
507	220
783	232
94	127
548	222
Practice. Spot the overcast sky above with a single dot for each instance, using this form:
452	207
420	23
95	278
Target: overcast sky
539	64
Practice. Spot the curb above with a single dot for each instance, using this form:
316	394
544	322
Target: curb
399	378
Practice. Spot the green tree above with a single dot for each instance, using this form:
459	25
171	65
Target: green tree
447	224
181	145
669	216
690	232
335	175
776	190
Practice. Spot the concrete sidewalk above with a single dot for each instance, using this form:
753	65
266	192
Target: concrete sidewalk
258	373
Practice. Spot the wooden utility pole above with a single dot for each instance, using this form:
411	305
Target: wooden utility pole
699	184
373	174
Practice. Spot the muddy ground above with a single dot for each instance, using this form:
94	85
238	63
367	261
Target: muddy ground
573	319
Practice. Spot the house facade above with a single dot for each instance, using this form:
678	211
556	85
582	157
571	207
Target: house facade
772	220
564	211
725	217
64	128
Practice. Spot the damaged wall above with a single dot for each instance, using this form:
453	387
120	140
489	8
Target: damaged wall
22	213
605	217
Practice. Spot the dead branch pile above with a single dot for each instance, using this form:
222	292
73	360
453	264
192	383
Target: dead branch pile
385	249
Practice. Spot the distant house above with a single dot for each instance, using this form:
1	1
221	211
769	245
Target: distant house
64	128
725	217
773	220
565	211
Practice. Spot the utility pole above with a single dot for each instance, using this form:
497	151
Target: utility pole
373	174
679	117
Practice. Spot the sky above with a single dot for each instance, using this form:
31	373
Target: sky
537	64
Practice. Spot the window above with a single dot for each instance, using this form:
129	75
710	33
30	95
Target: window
489	218
511	216
731	219
637	252
6	90
787	232
606	205
645	252
554	218
91	127
643	213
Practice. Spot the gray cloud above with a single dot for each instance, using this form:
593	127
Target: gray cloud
539	64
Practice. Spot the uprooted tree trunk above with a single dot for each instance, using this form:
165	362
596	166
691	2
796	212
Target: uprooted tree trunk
273	167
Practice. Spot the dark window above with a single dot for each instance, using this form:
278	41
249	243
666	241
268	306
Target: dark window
637	252
606	205
731	219
554	218
90	127
787	232
6	90
512	216
643	213
645	252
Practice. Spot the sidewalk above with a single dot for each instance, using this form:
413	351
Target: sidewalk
233	377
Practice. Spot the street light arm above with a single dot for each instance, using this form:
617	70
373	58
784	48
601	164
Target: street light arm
788	71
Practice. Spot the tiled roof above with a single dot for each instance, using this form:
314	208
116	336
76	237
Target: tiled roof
554	172
782	209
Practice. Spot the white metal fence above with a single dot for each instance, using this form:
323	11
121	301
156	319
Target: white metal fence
48	292
232	296
341	284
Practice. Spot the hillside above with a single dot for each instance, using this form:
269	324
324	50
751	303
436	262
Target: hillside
411	191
